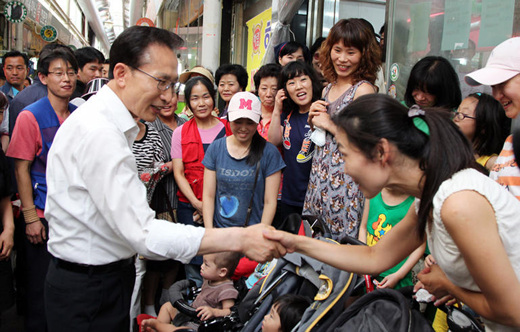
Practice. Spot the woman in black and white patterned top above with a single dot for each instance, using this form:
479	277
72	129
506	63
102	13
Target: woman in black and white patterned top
167	121
147	147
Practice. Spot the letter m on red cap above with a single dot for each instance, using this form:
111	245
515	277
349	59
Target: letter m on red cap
246	104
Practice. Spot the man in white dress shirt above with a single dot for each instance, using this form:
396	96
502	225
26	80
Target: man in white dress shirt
96	205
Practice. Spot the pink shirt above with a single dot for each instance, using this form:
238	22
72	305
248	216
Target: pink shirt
206	135
26	142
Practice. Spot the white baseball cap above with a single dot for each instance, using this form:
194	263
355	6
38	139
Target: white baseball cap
244	105
502	65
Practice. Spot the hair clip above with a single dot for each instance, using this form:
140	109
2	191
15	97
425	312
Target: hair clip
419	122
415	110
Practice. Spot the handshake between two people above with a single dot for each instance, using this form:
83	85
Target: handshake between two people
262	243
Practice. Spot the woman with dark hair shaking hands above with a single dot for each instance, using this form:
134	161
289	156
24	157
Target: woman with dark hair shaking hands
471	223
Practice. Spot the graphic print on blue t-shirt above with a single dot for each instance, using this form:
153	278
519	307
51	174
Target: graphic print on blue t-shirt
306	152
238	179
298	154
287	131
228	206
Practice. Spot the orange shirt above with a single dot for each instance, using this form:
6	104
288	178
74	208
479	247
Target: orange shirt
506	171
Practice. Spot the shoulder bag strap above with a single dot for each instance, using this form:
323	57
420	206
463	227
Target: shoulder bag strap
250	208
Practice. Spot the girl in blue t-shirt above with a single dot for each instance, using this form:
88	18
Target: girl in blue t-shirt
299	88
233	163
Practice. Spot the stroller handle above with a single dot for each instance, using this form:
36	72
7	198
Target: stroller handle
347	239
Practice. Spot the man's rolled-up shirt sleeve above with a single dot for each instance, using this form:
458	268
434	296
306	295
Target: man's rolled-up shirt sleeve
177	241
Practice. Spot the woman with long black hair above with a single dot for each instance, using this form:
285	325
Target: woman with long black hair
242	171
299	86
470	222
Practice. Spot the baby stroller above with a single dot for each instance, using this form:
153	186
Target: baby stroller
326	286
183	292
295	273
395	310
382	310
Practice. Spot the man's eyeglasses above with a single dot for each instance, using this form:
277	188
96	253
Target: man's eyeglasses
161	84
60	74
461	116
177	87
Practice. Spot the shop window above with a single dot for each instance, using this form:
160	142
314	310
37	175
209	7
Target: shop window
463	31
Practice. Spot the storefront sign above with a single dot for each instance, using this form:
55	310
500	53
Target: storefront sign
38	13
394	72
259	33
15	11
145	21
49	33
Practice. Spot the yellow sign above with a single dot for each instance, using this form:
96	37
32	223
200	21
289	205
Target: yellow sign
258	35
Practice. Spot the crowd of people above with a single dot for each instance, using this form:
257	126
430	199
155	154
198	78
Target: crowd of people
121	193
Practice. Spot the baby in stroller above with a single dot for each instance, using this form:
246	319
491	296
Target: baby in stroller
285	313
215	299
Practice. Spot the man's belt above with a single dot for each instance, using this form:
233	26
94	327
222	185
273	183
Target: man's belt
94	269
